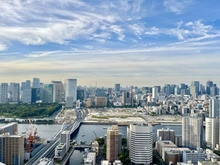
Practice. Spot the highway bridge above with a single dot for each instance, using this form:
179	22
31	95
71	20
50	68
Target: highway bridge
49	149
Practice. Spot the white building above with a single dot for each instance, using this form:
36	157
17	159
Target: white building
70	87
26	95
162	97
4	93
214	107
60	151
192	136
212	132
14	92
65	138
140	139
91	159
193	155
155	93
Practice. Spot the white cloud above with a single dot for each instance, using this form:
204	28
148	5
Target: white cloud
3	47
177	6
153	31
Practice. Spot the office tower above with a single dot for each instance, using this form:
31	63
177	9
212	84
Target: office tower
35	95
166	134
36	83
167	89
26	92
192	135
48	93
140	141
117	89
112	144
12	149
208	85
14	92
11	128
193	92
214	107
109	91
213	91
155	93
127	98
70	87
81	94
212	132
65	138
196	84
3	93
58	91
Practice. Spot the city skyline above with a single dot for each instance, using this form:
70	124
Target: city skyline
132	43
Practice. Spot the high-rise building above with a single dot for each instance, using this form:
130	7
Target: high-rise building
117	89
127	98
4	93
81	94
112	144
214	107
65	138
11	149
197	86
48	93
192	132
36	83
193	91
11	128
35	94
208	85
26	92
14	92
70	87
140	141
166	134
58	92
212	132
155	93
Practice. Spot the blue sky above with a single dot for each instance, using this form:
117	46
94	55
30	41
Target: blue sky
132	42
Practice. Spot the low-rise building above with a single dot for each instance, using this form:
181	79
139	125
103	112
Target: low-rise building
162	146
193	155
101	101
60	151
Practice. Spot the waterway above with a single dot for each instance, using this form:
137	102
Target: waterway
86	133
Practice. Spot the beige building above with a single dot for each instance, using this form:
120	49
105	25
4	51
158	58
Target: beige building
12	149
58	91
89	102
162	146
101	101
112	144
172	156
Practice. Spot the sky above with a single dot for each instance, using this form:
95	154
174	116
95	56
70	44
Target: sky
131	42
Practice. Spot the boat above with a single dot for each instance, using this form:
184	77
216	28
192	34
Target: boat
104	127
83	135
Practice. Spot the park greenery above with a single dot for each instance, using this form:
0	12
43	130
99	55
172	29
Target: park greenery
29	110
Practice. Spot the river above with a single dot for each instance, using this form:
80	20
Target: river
89	132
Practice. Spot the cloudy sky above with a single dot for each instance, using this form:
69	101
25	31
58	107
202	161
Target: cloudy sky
132	42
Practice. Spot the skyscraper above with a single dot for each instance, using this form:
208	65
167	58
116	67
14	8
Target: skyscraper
208	85
70	87
155	93
117	89
112	144
140	141
58	91
212	132
4	93
14	92
214	107
196	84
127	98
192	135
26	92
36	83
48	93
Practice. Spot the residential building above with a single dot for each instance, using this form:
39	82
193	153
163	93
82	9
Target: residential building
166	134
112	144
101	101
11	128
192	132
127	98
11	149
140	141
212	132
3	93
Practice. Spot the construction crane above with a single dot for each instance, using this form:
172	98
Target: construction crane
95	134
30	135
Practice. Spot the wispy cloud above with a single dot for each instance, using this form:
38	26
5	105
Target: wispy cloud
177	6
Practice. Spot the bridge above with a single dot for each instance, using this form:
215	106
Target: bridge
49	149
